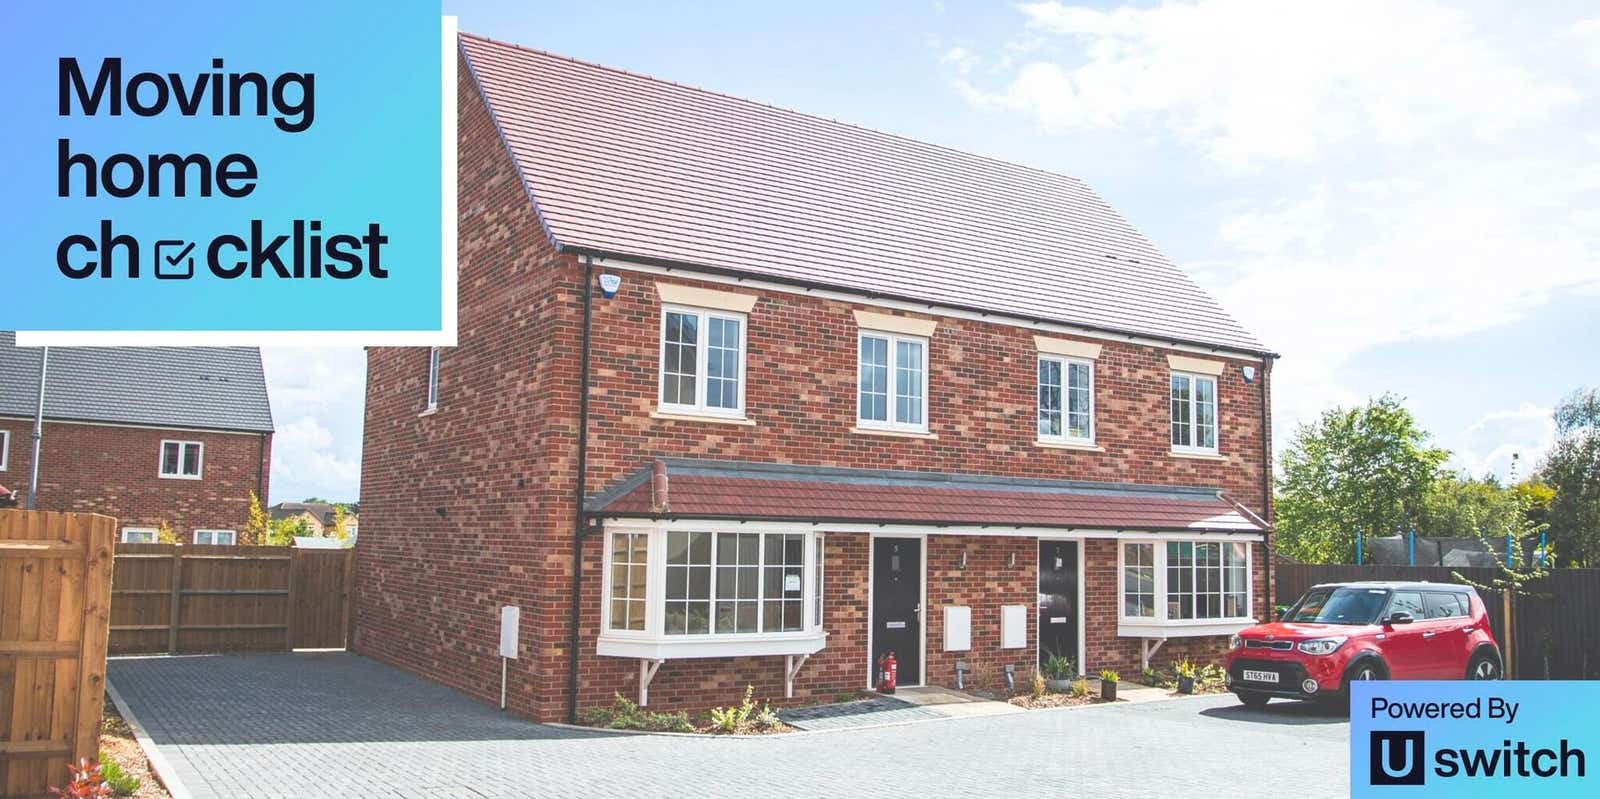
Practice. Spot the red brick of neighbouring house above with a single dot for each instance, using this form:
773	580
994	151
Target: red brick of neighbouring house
470	507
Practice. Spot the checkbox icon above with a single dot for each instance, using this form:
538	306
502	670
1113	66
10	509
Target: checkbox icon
174	259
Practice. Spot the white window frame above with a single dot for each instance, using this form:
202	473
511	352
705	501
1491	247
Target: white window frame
5	449
233	536
893	422
701	354
433	379
1160	625
154	535
1065	363
199	461
653	643
1194	406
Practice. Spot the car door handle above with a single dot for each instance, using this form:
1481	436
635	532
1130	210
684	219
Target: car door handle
1429	634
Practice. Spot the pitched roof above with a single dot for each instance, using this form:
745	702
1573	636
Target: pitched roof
211	388
712	489
322	511
626	165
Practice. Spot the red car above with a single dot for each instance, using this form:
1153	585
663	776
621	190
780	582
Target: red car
1342	632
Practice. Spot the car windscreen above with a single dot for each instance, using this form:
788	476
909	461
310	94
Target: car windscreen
1338	606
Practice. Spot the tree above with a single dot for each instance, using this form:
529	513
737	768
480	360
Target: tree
1522	563
258	527
1362	470
1572	468
336	528
1462	507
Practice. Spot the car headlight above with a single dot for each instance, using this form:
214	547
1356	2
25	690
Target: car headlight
1321	646
1234	641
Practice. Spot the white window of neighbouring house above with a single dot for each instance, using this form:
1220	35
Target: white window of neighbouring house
138	535
219	537
702	362
1185	581
182	460
5	448
1066	400
893	382
1194	413
629	565
433	378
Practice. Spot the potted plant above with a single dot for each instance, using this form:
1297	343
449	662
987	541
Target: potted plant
1185	671
1059	671
1108	685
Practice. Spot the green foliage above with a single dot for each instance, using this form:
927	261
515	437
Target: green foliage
1572	470
1079	689
1185	668
258	526
122	783
745	716
1155	678
623	714
1461	507
340	518
165	535
1110	675
1060	667
1363	469
1037	688
1521	534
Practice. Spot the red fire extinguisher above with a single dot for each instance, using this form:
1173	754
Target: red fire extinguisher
888	672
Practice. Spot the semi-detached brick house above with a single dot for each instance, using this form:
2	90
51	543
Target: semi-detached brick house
151	435
825	393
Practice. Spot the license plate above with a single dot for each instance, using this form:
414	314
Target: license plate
1260	676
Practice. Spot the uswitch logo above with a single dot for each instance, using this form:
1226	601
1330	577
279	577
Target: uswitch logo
1399	757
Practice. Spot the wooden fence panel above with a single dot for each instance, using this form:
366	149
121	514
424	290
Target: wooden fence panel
55	596
187	599
1556	627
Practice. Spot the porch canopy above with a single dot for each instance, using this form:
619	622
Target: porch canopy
684	488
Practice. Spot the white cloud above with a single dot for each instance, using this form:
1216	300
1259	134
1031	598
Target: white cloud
318	397
1394	171
961	59
1489	445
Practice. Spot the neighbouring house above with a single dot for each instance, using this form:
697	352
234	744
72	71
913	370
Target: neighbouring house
824	393
175	436
318	517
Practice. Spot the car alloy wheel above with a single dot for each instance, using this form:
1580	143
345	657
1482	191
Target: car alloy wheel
1485	670
1364	673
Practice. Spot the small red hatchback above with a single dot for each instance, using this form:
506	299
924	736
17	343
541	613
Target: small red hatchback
1341	632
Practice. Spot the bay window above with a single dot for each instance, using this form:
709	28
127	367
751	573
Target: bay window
893	382
672	591
1184	583
1066	400
1194	413
702	362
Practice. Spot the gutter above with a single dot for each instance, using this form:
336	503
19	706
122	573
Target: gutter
1266	487
578	516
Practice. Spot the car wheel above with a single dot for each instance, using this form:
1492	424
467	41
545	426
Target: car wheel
1253	700
1483	667
1365	670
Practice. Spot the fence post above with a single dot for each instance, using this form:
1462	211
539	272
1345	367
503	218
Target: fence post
177	596
290	600
1411	549
99	553
348	597
1505	594
1358	546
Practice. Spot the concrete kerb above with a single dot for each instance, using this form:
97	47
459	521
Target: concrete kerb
160	768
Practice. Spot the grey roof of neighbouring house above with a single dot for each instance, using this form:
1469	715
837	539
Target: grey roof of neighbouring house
623	165
210	388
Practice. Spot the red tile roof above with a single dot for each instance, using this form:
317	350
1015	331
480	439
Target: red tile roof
732	490
630	166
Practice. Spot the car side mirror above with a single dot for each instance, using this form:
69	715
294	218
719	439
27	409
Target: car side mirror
1399	617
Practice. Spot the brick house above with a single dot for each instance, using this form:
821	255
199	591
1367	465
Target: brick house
793	394
318	517
150	435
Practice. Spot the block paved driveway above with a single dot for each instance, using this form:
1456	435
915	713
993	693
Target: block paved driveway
338	725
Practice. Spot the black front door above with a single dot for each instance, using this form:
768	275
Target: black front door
897	606
1058	600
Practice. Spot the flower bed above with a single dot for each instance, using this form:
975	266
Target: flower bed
746	718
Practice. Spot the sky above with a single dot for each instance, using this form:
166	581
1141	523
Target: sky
1396	196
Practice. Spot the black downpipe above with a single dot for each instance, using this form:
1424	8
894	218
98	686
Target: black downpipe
578	492
1266	485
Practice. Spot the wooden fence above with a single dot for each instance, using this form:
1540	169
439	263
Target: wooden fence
55	594
1555	628
183	599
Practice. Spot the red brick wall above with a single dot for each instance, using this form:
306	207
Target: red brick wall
988	582
471	507
112	470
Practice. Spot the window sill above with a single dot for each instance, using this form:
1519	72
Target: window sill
694	417
1080	446
877	431
1200	456
180	477
428	412
684	647
1186	628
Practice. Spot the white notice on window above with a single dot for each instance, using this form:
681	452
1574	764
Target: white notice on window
791	582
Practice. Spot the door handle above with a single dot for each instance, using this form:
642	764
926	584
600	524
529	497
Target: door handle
1429	634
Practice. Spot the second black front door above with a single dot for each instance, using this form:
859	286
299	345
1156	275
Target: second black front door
1058	599
897	606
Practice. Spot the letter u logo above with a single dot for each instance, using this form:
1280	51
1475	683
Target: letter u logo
1396	758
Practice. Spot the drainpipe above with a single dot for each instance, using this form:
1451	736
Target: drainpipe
38	431
261	470
578	531
1266	481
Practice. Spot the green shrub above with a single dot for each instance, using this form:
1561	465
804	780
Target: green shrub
121	782
1110	675
1038	685
1079	689
1060	667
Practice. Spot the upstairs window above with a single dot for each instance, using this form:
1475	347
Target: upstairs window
1194	413
702	362
182	460
893	382
433	378
1066	400
5	448
219	537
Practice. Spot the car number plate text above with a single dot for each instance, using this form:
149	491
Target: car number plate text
1260	676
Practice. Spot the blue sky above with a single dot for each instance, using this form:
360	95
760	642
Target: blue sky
1397	196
